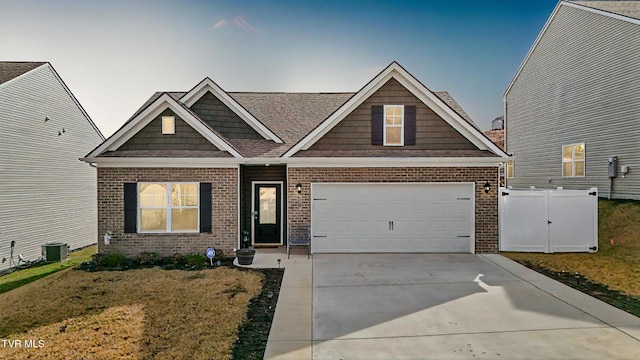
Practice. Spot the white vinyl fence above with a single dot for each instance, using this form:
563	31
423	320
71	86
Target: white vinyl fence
541	220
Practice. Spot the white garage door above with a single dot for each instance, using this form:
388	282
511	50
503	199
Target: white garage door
392	217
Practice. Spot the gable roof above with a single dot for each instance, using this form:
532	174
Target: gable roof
394	70
208	85
290	117
151	111
628	11
10	70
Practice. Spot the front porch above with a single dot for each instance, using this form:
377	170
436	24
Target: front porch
263	206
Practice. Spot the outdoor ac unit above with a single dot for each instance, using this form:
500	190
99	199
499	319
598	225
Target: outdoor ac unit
54	251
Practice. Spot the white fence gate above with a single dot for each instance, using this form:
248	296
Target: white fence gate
548	220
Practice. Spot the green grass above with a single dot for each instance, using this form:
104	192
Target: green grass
617	262
21	277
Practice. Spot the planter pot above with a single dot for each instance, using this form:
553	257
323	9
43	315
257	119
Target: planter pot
245	256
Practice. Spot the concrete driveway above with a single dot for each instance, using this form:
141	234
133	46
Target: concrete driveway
431	306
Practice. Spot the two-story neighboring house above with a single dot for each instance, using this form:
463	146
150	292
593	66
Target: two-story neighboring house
393	167
574	104
46	194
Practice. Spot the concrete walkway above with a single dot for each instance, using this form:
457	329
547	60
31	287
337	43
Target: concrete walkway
408	306
290	334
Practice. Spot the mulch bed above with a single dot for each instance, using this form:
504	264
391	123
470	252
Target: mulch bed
254	332
630	304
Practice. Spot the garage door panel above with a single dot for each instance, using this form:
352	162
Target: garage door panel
392	217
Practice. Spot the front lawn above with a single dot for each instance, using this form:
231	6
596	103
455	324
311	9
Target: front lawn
617	262
143	313
43	269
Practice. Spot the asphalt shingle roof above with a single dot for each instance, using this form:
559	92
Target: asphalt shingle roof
291	116
12	69
625	8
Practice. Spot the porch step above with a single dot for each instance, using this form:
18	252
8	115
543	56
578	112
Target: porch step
299	249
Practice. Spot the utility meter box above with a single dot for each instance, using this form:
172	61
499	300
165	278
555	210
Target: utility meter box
56	251
613	166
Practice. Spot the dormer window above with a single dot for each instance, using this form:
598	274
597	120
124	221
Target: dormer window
168	125
393	125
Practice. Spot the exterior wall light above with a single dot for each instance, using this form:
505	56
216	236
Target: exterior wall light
299	188
487	187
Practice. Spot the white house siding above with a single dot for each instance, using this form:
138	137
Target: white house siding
581	83
46	193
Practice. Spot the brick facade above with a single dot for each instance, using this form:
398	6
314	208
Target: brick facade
486	204
225	202
111	211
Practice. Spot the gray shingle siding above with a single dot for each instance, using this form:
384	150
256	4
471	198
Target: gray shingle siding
580	84
224	120
46	193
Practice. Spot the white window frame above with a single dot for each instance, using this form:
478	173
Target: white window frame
172	130
573	161
384	125
168	207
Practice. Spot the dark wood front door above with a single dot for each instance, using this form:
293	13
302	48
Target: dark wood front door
267	213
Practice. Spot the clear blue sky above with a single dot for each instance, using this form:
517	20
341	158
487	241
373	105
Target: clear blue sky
115	54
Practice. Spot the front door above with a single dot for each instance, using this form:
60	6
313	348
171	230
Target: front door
267	213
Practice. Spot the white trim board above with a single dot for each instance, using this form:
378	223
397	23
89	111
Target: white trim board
165	101
208	85
394	70
297	162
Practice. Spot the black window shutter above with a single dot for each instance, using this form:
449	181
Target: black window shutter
205	207
377	124
130	207
410	125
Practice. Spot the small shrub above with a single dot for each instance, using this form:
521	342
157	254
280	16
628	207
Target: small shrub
112	260
148	259
195	259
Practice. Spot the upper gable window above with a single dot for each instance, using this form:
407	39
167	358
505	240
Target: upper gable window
573	160
168	125
393	125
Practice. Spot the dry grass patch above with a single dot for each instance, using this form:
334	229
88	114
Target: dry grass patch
617	265
180	314
115	333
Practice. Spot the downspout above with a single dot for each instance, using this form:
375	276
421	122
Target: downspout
504	129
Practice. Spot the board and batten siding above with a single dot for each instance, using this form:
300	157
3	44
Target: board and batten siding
46	193
580	84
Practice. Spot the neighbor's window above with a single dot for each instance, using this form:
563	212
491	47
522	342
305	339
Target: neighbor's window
168	207
168	125
573	160
393	125
510	169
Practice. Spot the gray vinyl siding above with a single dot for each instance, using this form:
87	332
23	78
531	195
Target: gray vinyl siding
581	84
46	193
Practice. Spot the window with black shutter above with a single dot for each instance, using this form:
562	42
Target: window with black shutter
130	207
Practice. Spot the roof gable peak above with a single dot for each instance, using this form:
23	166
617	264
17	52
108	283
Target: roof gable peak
163	102
399	73
208	85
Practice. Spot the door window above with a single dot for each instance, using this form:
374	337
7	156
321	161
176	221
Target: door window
267	205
